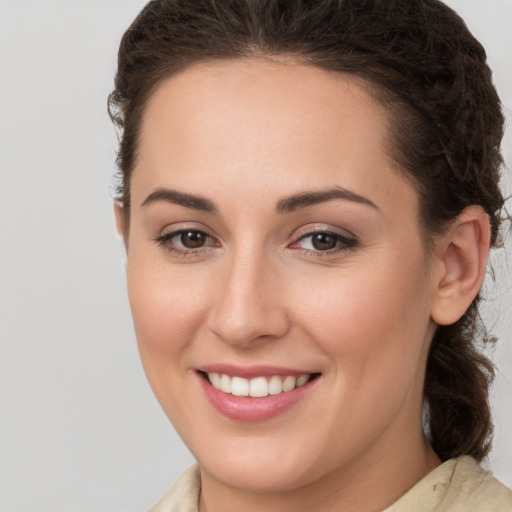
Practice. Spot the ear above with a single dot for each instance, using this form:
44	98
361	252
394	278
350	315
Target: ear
460	265
120	218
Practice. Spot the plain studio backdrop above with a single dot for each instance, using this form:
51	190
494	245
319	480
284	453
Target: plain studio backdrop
80	429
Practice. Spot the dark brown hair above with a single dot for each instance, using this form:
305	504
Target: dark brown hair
446	124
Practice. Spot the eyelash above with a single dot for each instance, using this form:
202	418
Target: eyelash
165	241
343	243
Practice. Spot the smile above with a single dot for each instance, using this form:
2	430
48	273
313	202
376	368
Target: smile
258	387
261	394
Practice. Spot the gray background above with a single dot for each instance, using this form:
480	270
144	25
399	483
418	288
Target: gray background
79	427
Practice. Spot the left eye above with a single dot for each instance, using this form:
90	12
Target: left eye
192	239
324	241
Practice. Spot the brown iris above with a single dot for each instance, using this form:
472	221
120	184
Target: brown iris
193	239
324	241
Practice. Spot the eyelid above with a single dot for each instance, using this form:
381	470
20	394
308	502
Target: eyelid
311	229
345	241
176	227
166	235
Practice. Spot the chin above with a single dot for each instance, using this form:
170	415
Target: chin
259	475
262	463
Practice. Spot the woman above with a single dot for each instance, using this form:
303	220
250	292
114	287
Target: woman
309	190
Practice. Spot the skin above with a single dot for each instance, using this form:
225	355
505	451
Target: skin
245	135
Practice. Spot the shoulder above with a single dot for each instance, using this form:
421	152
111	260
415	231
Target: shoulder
183	496
474	488
458	485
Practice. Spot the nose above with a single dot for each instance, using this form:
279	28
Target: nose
250	305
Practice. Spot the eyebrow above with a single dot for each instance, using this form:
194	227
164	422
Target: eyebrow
182	199
285	205
311	198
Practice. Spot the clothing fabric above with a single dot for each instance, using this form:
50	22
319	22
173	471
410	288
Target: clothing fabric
458	485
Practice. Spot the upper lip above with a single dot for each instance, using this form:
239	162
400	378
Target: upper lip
250	372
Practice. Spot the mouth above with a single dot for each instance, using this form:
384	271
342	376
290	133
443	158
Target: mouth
257	396
257	387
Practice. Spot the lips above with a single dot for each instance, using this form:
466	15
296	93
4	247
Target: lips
254	394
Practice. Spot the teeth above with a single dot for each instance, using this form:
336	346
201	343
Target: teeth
302	380
275	385
225	383
259	386
289	383
239	386
215	380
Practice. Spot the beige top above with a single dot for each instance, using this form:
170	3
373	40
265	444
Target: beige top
458	485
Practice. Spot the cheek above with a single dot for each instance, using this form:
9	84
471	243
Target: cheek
168	306
372	324
167	310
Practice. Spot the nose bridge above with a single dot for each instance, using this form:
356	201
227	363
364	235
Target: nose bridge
249	306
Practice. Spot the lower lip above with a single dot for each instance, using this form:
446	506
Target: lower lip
244	408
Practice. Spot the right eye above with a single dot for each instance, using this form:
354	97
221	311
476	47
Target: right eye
186	241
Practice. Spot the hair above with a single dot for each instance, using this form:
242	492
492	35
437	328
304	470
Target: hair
425	67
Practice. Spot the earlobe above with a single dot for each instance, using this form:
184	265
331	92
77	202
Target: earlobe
119	217
461	258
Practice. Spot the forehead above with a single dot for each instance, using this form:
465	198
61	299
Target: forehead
262	93
264	101
250	123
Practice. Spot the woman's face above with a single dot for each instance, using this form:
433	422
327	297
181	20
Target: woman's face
272	242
